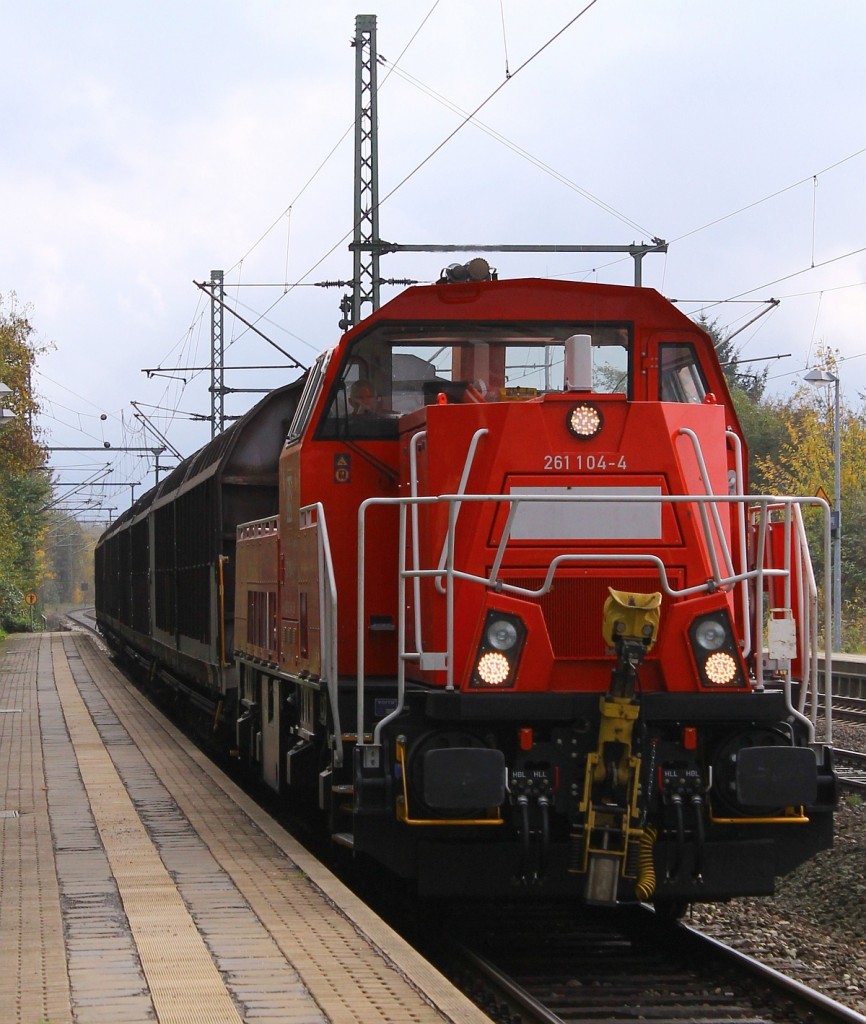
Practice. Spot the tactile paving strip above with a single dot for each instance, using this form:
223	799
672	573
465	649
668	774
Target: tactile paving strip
105	976
184	983
355	967
264	985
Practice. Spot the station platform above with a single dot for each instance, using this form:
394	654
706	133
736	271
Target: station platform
139	884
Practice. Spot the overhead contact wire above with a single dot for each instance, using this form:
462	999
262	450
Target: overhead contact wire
449	137
772	195
485	101
322	165
525	154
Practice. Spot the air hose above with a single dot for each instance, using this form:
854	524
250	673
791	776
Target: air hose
523	804
646	874
544	807
698	803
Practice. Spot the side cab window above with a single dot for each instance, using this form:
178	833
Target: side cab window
308	398
681	378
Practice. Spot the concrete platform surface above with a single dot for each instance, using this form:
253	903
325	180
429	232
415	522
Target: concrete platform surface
138	883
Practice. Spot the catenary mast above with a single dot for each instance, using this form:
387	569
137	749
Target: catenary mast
365	245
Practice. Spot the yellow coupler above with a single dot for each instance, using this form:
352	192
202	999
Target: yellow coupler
610	806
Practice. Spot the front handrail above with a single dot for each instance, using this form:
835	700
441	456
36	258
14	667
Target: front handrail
714	511
461	488
313	517
739	478
446	574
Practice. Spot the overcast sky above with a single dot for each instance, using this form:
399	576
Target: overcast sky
146	144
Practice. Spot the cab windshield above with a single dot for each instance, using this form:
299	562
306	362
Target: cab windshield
393	370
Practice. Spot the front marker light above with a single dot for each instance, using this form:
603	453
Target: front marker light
584	420
715	650
493	668
498	654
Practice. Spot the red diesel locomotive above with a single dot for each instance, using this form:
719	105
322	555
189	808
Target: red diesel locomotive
514	622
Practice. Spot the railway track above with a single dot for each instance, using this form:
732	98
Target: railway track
553	965
853	709
524	963
851	769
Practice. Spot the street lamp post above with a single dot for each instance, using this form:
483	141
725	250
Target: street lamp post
825	378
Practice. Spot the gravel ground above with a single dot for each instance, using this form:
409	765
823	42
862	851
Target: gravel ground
814	928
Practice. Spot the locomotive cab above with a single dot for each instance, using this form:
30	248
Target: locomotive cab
522	603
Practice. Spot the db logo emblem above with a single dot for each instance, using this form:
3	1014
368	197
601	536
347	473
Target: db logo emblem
342	468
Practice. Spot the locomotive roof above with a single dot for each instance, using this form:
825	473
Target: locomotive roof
532	299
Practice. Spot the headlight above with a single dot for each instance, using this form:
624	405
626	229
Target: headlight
715	650
502	634
710	634
499	651
584	420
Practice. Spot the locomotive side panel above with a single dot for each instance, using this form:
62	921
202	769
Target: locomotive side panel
337	478
256	591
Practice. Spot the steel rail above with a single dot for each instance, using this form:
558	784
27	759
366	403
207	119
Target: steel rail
506	997
850	768
824	1008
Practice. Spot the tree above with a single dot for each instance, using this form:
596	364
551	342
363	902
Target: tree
763	420
24	486
752	385
69	548
803	464
764	423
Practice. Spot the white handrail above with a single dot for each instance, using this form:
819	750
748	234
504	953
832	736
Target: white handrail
313	517
414	445
702	469
446	573
461	487
737	444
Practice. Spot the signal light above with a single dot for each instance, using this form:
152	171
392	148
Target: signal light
499	652
715	650
584	420
710	634
502	634
493	668
720	668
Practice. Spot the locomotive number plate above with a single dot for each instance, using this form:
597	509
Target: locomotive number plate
593	462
